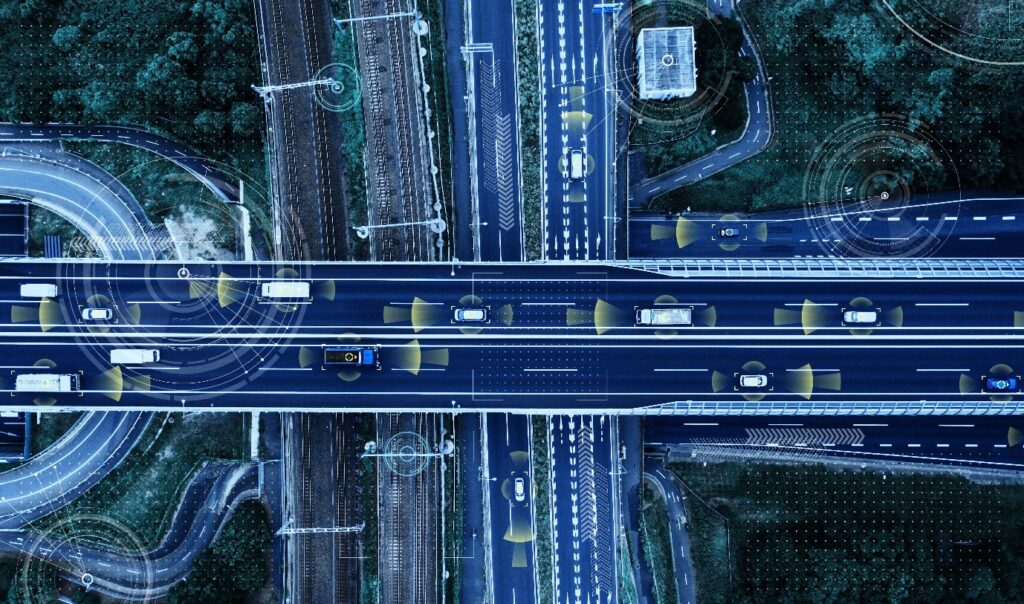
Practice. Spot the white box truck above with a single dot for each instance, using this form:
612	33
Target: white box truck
46	382
664	316
38	290
286	290
134	356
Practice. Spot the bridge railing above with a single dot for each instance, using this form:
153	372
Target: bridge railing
829	408
853	268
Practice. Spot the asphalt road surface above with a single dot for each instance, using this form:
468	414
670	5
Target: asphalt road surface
951	225
577	116
497	231
583	508
567	334
682	565
513	567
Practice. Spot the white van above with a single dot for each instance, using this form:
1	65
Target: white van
576	165
286	290
134	356
38	290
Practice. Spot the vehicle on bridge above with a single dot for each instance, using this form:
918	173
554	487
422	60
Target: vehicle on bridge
670	316
97	314
861	317
1002	384
352	356
285	290
753	381
471	315
38	290
133	356
46	382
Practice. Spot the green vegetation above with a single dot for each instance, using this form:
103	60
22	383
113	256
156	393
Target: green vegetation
528	87
182	68
627	582
454	476
810	533
541	470
353	136
169	192
144	491
234	568
43	222
656	541
49	428
369	584
834	63
677	131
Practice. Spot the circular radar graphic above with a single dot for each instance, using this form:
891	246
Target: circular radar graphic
406	453
340	87
673	119
989	32
868	191
79	547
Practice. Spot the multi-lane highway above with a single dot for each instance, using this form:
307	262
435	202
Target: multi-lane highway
950	225
578	118
495	143
584	511
559	337
511	495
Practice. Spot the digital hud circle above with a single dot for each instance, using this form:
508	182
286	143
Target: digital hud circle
406	453
989	32
878	188
658	88
216	329
341	87
79	549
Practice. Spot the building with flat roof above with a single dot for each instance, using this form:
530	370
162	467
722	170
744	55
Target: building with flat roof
666	63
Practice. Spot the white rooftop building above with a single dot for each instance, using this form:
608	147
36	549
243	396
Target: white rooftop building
667	65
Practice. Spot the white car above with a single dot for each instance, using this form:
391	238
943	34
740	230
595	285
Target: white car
860	317
576	165
753	381
520	489
470	315
97	314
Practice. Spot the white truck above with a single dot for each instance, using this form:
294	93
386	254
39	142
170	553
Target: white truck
285	290
664	316
46	382
38	290
133	356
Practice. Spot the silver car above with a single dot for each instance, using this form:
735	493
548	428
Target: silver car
860	317
753	381
97	314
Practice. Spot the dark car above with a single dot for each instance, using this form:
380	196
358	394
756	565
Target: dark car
1002	384
352	356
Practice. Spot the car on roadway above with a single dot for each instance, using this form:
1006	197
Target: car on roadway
860	317
756	380
1002	384
728	232
97	314
470	314
576	164
353	356
520	488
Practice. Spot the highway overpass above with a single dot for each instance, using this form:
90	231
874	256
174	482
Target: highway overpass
562	337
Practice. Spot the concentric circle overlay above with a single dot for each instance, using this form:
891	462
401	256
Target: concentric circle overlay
682	114
990	32
341	89
878	188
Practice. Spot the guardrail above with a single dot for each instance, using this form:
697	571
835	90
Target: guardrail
827	408
853	268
